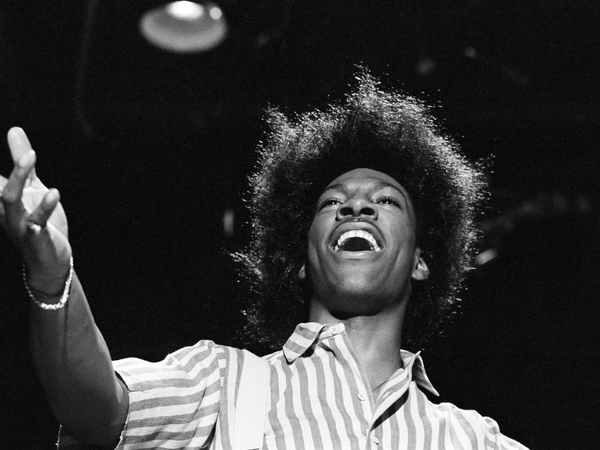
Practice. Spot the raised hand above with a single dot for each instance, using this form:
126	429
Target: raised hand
34	219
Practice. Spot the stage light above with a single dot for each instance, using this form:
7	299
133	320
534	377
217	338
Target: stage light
184	26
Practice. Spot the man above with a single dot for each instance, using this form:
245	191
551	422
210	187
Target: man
362	224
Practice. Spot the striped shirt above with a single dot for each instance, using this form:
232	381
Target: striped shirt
319	399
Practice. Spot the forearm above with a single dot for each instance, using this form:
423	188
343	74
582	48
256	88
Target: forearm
68	350
75	368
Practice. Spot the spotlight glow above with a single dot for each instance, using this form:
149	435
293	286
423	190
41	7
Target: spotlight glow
185	26
184	10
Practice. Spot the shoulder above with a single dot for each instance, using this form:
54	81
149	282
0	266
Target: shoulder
272	358
472	429
204	360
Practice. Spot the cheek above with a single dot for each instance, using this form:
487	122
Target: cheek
312	248
405	241
317	263
316	260
317	231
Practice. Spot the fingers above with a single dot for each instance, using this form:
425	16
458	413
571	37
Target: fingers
14	209
45	209
19	145
32	215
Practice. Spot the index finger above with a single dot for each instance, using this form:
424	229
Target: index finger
19	145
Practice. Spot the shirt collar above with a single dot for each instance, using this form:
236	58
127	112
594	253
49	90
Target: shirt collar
302	339
414	363
306	334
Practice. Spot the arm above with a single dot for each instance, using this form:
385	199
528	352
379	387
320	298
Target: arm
69	352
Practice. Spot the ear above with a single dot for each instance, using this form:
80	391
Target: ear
420	270
302	273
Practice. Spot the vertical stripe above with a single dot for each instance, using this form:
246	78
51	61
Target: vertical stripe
321	406
442	431
309	405
229	387
447	444
411	439
416	417
426	419
272	414
456	438
345	400
284	436
293	407
464	418
341	438
395	428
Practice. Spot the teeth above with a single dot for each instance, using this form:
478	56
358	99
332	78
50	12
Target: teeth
357	234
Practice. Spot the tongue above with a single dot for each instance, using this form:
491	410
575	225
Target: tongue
356	244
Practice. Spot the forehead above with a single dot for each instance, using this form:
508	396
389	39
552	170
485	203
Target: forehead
366	177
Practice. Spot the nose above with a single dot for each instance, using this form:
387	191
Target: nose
357	206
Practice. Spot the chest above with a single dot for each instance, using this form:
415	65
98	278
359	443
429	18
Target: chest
325	403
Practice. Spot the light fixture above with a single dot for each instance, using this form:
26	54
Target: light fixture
184	26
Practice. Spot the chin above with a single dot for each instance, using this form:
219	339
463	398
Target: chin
356	300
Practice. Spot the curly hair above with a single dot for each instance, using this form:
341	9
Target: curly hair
385	131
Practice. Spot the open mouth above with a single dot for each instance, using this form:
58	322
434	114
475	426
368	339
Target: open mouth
356	241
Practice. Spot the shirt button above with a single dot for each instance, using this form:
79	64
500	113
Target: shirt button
375	440
361	397
337	329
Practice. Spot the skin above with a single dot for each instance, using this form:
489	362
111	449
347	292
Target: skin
25	198
69	353
367	291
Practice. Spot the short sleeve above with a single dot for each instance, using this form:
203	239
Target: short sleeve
467	429
174	401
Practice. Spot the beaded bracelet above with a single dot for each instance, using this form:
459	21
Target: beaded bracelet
63	298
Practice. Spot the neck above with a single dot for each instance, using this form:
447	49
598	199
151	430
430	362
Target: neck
376	339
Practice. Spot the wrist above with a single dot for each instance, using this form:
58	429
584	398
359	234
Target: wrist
44	284
49	294
46	299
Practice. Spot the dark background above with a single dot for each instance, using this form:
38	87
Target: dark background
149	149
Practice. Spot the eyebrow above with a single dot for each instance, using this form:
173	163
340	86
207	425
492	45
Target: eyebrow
377	186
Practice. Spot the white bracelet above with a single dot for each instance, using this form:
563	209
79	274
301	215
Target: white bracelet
63	299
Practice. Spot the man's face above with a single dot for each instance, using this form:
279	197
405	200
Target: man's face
362	244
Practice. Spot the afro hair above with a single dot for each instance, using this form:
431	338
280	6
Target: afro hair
385	131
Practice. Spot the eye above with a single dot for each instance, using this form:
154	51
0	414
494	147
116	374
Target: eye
389	201
329	202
